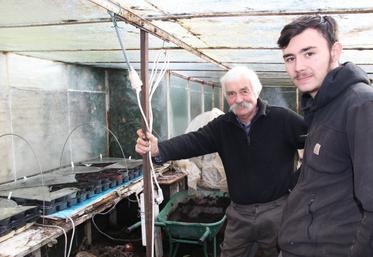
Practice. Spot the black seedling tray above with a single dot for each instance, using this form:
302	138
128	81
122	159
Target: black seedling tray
19	219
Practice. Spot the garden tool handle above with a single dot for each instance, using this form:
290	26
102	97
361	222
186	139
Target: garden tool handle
133	227
205	235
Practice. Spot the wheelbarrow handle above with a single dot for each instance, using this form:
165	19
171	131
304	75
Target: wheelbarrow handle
205	235
160	224
133	227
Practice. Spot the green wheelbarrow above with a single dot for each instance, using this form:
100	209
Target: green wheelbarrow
191	233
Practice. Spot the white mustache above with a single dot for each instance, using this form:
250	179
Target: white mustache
244	105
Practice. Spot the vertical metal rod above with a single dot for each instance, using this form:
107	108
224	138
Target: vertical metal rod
148	195
203	98
88	231
107	113
222	99
189	115
168	105
213	96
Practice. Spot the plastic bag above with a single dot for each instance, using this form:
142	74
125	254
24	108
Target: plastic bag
205	171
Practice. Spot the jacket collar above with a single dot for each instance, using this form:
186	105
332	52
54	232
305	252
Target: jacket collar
262	111
335	83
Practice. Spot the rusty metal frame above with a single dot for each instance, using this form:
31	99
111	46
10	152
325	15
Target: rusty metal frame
256	13
146	25
147	177
173	73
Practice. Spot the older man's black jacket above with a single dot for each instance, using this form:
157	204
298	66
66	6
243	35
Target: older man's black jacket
259	166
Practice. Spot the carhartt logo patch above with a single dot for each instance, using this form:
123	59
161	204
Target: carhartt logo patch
316	149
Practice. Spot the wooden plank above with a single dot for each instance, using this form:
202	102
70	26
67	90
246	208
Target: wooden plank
27	242
88	231
37	236
168	179
249	13
37	253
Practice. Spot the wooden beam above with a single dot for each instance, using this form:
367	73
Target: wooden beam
37	236
218	48
146	25
88	231
257	13
209	83
181	23
348	48
59	23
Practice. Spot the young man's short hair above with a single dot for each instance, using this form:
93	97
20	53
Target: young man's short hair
326	25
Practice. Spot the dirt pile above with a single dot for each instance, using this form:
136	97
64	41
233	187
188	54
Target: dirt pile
200	210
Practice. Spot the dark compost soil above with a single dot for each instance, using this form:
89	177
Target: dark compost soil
200	210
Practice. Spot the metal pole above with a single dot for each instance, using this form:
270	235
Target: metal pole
222	99
168	105
148	194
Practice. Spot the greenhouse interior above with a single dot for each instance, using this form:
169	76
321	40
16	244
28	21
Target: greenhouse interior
186	129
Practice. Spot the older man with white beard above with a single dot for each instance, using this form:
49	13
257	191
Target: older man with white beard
257	144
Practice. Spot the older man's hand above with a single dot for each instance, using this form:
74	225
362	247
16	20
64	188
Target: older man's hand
146	143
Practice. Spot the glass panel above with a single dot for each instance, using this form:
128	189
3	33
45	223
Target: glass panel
125	117
208	98
195	100
280	96
217	97
159	106
88	120
179	111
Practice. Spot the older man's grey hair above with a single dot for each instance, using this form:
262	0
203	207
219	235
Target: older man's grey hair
238	72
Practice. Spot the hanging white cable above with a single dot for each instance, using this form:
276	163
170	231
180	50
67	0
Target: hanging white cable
150	161
155	83
161	73
136	84
142	111
153	176
63	230
72	236
155	66
113	238
153	87
154	71
104	213
102	232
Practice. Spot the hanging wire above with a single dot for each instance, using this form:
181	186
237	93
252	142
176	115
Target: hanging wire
38	162
107	235
72	235
93	124
63	231
115	24
136	84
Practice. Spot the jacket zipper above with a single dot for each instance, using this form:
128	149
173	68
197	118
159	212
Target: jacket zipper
310	212
304	162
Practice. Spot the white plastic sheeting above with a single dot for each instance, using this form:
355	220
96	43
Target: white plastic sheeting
205	171
231	32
